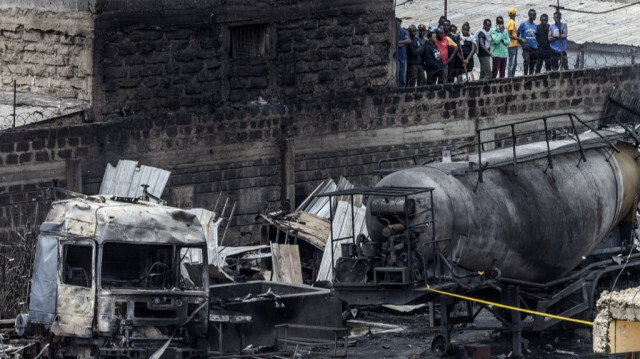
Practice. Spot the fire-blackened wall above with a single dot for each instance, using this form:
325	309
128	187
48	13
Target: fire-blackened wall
236	149
206	54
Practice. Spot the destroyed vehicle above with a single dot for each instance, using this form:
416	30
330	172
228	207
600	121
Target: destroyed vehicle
118	278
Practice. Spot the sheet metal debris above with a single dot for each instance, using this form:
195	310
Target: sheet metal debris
309	223
342	228
127	180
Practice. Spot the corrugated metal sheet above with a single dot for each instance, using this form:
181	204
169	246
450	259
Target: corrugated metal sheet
341	227
618	27
318	205
210	224
127	178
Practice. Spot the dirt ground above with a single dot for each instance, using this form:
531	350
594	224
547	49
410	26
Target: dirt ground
414	341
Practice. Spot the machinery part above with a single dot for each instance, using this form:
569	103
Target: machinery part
393	229
384	207
348	250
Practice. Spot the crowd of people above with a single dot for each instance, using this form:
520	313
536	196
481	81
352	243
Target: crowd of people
441	54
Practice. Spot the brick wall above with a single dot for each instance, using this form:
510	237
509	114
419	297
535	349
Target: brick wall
46	52
236	149
53	5
165	59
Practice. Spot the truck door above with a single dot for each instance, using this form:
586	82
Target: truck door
76	289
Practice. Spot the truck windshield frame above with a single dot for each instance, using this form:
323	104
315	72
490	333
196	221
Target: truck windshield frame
151	266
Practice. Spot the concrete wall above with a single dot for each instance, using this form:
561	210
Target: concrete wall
50	5
169	57
237	149
46	52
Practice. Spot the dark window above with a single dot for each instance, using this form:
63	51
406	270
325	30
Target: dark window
138	265
248	41
77	265
128	265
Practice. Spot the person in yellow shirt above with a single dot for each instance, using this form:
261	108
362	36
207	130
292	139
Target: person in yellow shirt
513	45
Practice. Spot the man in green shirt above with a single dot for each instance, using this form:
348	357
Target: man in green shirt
500	40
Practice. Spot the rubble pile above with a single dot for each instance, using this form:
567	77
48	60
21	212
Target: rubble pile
618	317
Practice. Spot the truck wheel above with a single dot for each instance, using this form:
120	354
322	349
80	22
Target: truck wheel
440	347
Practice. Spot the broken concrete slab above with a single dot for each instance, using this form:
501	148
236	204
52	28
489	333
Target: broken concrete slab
617	325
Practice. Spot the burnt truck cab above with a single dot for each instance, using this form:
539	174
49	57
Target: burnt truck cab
120	278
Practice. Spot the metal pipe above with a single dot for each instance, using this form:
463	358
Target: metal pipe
546	137
14	103
563	279
479	157
513	145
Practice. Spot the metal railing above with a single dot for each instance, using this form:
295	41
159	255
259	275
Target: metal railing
573	120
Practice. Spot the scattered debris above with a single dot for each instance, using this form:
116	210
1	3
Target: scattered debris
565	352
404	308
301	225
617	326
309	228
270	304
362	327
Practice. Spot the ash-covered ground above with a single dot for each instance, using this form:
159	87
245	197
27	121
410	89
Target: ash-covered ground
414	340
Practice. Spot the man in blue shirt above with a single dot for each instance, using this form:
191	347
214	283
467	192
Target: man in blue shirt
527	31
558	43
403	41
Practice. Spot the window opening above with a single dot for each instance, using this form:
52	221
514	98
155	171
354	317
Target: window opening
77	265
191	268
248	41
136	265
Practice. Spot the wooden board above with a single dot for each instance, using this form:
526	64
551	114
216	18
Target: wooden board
306	226
286	263
624	336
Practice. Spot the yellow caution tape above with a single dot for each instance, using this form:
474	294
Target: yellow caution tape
528	311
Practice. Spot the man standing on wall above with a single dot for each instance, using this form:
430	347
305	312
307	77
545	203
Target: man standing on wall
415	72
558	42
432	60
444	43
422	33
500	41
403	41
544	50
484	49
527	30
513	44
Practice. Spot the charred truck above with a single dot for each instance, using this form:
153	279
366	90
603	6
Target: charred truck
118	278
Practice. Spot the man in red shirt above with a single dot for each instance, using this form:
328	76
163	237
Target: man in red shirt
443	43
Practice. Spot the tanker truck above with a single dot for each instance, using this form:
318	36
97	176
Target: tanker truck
545	225
117	278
